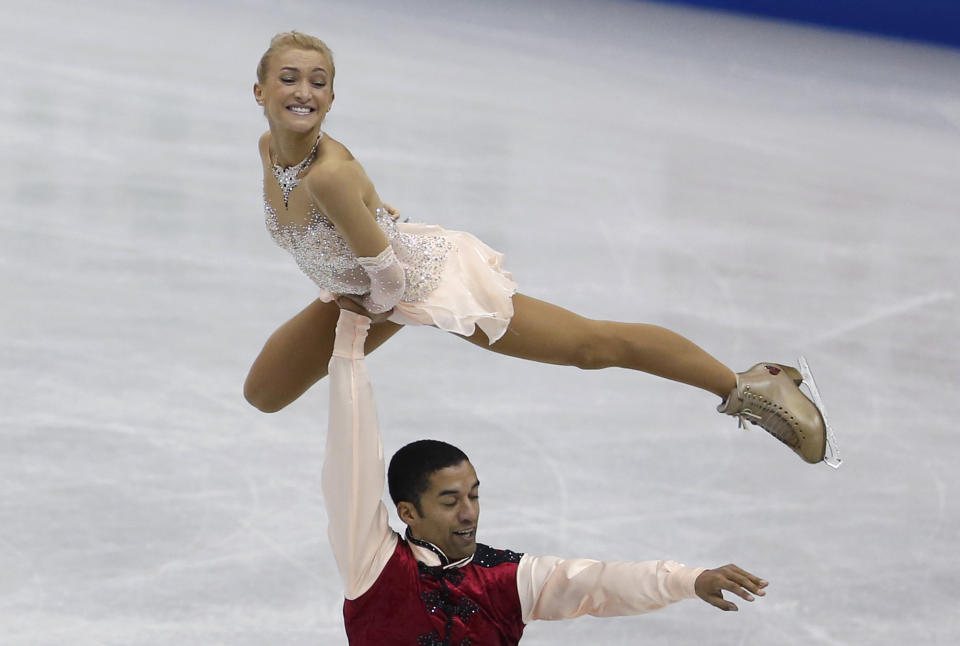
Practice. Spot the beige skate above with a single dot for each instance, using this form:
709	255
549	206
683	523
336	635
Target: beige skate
768	395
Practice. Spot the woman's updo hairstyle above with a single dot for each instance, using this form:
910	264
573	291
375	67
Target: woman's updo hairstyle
293	40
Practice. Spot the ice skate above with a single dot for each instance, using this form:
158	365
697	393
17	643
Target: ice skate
832	454
768	395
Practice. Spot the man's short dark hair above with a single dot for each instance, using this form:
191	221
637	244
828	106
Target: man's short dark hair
408	475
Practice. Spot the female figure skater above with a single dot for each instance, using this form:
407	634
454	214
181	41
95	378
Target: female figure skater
321	207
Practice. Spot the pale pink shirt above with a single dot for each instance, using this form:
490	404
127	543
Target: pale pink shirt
362	541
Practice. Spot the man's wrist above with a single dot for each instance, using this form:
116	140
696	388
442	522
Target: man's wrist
351	334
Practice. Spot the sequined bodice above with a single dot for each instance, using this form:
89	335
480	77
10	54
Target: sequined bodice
324	256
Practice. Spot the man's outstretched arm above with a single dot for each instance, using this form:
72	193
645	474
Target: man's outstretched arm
555	588
353	467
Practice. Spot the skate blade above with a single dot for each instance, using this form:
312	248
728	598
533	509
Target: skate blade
832	454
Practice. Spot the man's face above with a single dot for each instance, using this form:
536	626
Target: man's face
449	511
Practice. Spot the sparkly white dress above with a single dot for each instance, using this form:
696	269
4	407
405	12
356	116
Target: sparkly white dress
453	280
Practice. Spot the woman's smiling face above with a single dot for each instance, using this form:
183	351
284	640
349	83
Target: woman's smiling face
297	90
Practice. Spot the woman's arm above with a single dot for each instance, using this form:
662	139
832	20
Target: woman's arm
338	189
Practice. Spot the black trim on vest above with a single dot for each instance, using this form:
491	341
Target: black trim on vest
486	556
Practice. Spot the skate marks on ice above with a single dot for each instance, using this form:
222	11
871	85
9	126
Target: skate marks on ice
906	306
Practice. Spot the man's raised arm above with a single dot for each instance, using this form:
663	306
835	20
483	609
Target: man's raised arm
353	467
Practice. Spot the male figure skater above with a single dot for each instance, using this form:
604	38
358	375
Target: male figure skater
436	585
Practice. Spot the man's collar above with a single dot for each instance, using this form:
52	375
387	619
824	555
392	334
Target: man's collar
429	554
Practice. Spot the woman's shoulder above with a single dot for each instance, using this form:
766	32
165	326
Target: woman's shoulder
333	151
337	178
331	173
336	167
334	182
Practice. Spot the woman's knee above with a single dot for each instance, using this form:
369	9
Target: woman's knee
261	397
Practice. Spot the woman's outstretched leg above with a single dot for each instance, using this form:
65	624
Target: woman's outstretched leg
296	356
766	395
543	332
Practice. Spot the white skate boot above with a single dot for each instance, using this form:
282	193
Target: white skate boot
768	395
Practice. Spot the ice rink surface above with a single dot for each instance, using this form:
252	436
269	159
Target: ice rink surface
764	189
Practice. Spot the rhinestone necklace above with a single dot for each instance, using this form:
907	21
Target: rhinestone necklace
288	177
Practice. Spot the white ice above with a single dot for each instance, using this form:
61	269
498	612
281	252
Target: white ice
764	189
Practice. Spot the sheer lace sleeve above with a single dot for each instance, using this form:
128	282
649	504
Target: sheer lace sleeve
387	281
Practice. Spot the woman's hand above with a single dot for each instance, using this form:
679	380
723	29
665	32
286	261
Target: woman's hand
353	303
392	211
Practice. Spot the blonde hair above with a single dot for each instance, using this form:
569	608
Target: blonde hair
294	40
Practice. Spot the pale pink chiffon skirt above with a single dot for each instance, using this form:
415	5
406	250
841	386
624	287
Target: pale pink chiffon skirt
474	289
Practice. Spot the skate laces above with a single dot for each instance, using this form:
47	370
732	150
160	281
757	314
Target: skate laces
769	416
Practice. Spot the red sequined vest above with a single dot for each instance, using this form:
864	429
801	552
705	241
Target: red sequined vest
412	604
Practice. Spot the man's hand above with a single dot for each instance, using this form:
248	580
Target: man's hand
710	585
352	303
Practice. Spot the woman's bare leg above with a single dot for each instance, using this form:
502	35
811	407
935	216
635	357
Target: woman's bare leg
296	356
546	333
